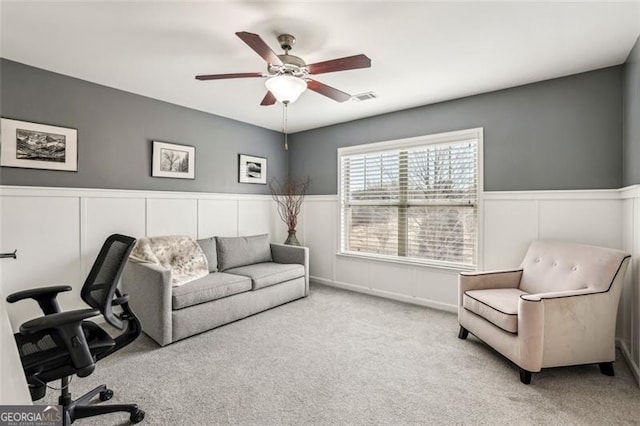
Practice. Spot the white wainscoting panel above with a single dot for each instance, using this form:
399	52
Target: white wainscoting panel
278	228
320	217
354	271
172	217
254	217
437	288
105	216
46	234
628	327
217	218
594	222
624	326
509	227
391	278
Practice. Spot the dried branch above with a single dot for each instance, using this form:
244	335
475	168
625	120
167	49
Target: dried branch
288	196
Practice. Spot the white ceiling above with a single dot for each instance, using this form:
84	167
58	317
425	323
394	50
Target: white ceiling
421	52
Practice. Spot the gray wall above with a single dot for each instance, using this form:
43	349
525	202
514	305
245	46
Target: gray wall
631	117
115	130
564	133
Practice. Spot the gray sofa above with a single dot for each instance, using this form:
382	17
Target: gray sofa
247	275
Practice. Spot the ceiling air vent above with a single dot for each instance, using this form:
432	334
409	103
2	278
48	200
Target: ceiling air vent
364	96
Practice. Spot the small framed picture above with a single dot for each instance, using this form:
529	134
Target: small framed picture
252	169
173	161
38	146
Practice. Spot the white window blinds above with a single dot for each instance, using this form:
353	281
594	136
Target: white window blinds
417	202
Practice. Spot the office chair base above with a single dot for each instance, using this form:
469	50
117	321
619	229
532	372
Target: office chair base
81	407
106	395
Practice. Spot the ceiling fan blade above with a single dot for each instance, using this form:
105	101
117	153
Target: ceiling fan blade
260	47
328	91
342	64
268	99
223	76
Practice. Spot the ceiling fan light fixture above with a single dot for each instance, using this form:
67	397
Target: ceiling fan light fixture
286	88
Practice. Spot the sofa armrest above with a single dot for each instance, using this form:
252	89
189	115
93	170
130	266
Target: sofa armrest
489	279
149	288
536	297
531	334
283	253
578	326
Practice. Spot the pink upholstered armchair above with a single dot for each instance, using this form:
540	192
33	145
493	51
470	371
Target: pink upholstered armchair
557	309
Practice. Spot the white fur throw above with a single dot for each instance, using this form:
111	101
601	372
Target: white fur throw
180	254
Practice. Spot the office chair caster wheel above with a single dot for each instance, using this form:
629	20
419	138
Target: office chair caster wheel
106	395
137	416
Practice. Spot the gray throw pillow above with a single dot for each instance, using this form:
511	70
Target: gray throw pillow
241	251
208	246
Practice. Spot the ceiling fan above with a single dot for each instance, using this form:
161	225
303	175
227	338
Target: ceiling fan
288	75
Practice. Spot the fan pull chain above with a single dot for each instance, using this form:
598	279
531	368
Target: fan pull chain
284	125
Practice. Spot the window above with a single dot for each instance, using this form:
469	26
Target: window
413	199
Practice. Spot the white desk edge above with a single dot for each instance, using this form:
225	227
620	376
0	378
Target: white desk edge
13	384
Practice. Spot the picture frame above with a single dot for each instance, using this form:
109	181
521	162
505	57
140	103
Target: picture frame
30	145
252	169
171	160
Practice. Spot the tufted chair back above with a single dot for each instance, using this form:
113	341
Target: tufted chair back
551	266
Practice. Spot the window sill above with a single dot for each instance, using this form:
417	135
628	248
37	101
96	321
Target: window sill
412	262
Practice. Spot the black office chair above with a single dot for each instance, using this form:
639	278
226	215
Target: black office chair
61	344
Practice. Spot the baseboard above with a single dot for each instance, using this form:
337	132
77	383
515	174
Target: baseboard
386	294
635	369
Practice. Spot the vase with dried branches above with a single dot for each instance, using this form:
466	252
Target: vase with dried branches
288	196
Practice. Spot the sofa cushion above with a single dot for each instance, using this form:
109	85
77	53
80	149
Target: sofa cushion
559	266
211	287
241	251
208	246
269	273
498	306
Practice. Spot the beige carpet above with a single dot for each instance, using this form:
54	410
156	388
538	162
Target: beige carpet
338	357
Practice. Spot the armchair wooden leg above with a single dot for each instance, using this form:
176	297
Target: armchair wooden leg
525	376
463	333
606	368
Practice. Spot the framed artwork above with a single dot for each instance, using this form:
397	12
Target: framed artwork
173	161
252	169
38	146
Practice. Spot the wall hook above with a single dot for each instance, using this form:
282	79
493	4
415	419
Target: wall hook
13	255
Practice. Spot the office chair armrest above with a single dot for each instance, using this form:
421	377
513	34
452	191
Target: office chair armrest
45	296
57	320
120	300
69	328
